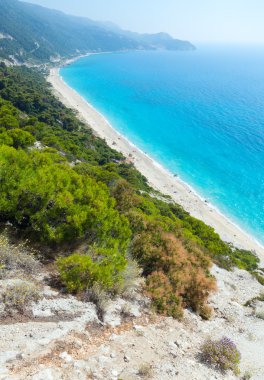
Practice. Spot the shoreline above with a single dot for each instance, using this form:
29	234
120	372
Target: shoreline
158	177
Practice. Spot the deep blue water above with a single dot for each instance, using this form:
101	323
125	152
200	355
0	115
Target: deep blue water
200	114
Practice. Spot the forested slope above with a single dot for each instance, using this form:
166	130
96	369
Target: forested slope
65	189
32	33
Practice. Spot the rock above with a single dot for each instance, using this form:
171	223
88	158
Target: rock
173	354
48	374
8	356
47	292
65	356
19	356
137	327
44	342
3	373
2	308
81	364
113	337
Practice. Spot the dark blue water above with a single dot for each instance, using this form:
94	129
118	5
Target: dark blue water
200	114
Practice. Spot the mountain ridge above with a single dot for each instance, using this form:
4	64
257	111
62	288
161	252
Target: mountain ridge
30	32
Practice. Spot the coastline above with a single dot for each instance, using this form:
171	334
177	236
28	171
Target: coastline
158	177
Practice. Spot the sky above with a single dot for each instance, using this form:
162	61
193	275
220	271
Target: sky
195	20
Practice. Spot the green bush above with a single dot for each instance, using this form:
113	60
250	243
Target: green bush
20	138
43	194
101	265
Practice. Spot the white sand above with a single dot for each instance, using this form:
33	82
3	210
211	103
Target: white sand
158	177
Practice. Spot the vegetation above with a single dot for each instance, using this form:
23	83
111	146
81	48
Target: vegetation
61	185
145	370
19	296
247	375
16	259
222	354
30	32
99	297
253	300
44	195
103	266
260	314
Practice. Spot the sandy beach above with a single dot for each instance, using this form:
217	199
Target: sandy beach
158	177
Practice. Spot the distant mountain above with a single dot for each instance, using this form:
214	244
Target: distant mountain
31	32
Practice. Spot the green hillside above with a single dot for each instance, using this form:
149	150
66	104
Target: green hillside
75	197
31	32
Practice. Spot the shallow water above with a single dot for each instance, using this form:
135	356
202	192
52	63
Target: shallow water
200	114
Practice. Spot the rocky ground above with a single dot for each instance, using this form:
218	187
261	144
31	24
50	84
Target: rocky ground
61	338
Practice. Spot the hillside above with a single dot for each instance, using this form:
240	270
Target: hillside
101	275
31	32
79	225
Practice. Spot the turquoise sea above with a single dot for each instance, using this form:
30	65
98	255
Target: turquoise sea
200	114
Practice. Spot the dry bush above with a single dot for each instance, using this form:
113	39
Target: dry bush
130	280
176	277
145	370
163	295
260	314
99	297
125	311
125	196
16	258
19	296
247	376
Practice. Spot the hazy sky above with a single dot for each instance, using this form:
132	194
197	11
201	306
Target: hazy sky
195	20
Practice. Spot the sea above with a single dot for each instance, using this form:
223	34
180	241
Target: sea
198	113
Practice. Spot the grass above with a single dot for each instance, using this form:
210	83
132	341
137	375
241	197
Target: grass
250	302
18	297
99	297
259	314
16	259
145	370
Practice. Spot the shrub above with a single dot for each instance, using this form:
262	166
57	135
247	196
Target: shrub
163	295
253	300
103	266
222	353
205	312
19	296
99	297
145	370
259	277
130	279
175	276
260	314
16	258
125	196
20	138
40	192
247	375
